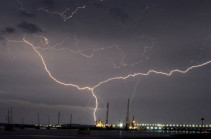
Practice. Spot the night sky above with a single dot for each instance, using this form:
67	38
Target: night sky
89	41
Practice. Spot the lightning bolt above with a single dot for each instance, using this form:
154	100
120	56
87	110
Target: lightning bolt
63	13
79	51
93	51
66	17
145	58
134	91
152	71
49	73
124	64
60	82
91	89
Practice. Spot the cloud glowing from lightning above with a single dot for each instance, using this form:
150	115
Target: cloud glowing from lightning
45	42
91	89
64	15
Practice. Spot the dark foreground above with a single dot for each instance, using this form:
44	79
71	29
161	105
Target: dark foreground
94	134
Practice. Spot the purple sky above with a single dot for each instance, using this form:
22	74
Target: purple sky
122	37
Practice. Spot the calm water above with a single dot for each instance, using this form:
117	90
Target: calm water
71	133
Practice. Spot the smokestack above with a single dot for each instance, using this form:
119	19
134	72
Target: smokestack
107	113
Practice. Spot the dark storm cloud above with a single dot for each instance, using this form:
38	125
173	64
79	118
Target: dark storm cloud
2	92
176	35
24	13
1	38
49	3
29	27
119	14
8	30
99	4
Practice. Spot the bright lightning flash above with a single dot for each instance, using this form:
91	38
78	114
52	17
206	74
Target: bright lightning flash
91	89
64	15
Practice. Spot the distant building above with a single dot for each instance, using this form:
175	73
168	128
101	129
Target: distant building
100	124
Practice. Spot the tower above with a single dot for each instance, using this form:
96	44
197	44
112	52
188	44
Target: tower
107	114
127	117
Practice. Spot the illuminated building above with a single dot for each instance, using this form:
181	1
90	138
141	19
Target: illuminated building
100	124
